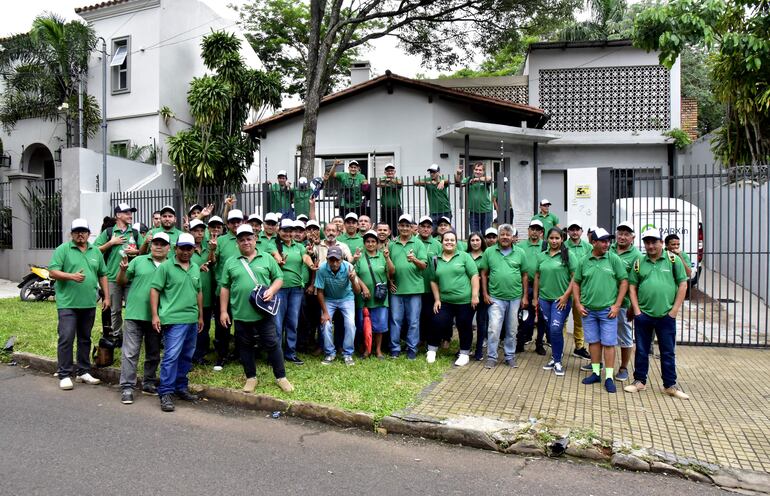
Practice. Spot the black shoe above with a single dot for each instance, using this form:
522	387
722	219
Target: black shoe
166	403
582	353
295	360
186	395
519	348
540	350
127	397
150	389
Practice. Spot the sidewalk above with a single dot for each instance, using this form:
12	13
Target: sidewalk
726	422
8	289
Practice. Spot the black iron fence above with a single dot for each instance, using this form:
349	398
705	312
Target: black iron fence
722	219
43	202
6	216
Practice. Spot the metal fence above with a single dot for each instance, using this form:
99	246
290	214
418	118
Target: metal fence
6	216
43	202
722	217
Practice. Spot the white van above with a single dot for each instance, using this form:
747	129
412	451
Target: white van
669	216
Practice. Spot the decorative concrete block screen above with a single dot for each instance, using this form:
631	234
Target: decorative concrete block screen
631	98
516	94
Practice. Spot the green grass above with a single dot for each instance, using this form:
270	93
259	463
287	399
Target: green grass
379	387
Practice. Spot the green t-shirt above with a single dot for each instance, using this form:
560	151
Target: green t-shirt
350	188
130	238
432	249
280	198
68	258
390	192
239	281
554	275
580	250
599	279
140	273
380	269
302	201
227	248
173	235
548	221
292	269
657	283
453	277
408	277
478	196
178	290
504	272
199	258
687	261
627	257
532	252
265	244
438	200
352	242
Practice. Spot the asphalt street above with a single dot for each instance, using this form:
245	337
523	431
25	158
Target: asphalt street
86	442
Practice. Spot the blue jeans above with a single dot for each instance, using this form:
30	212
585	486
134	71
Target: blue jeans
480	221
405	307
287	318
555	320
178	348
646	328
599	328
287	214
502	311
436	217
348	310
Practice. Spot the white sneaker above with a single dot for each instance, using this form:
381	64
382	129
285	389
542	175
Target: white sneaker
65	384
430	356
462	360
88	379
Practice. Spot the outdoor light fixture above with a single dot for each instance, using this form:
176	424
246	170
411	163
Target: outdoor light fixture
5	160
57	155
444	155
524	163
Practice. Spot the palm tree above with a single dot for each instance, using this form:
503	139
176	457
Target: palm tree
41	71
606	23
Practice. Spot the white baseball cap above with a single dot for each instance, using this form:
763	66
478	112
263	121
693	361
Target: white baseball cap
215	219
168	208
545	201
185	239
302	180
256	217
536	223
351	215
281	173
426	218
161	236
601	234
234	215
287	224
405	217
434	168
195	223
651	233
244	228
302	217
80	225
490	230
626	225
298	224
575	223
313	223
271	217
370	232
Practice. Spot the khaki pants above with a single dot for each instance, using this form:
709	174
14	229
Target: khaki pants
577	329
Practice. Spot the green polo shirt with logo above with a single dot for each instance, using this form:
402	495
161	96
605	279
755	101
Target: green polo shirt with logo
432	249
265	244
390	192
237	279
657	283
350	189
178	290
199	257
627	257
598	278
532	252
129	236
504	272
292	269
554	275
69	258
408	277
352	242
438	200
580	250
280	198
140	273
302	201
548	221
454	277
173	235
380	269
478	196
227	248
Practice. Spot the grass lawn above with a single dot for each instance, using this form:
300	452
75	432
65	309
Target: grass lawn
375	386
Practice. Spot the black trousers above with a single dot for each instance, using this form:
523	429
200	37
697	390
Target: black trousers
74	323
221	334
204	337
527	329
246	336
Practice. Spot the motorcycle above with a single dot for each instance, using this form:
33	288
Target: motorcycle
37	285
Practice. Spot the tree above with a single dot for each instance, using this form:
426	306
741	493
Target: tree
42	69
606	23
214	151
735	33
440	31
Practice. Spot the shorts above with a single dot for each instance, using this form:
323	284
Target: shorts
599	328
625	333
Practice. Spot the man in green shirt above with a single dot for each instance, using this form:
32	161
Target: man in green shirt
281	196
505	287
479	201
658	287
200	257
351	237
545	216
176	305
167	225
673	245
115	243
437	189
532	247
390	197
350	190
579	248
432	249
304	201
600	283
410	259
139	273
628	253
239	278
78	269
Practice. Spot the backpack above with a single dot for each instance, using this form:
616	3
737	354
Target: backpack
671	258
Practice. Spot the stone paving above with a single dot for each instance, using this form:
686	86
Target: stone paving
726	422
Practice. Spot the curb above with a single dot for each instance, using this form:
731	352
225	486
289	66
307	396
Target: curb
527	438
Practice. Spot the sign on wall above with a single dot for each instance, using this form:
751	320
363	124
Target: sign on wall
583	191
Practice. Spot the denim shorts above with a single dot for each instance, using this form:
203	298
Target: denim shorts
625	333
599	328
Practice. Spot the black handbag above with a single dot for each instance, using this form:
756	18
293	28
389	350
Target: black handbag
256	297
380	288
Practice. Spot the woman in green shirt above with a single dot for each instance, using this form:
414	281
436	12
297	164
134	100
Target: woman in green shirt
476	248
479	200
553	287
454	299
374	267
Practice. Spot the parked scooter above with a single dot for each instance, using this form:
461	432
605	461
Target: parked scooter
37	285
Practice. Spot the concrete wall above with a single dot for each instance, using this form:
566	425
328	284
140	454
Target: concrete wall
29	132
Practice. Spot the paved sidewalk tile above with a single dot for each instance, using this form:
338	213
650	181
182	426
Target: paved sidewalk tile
726	421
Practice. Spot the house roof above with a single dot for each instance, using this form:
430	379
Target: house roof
550	45
534	116
90	8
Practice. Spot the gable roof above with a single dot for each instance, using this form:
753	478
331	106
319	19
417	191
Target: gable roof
534	116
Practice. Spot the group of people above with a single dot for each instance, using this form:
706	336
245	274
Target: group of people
412	287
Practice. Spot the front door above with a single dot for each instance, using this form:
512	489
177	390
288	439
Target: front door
553	186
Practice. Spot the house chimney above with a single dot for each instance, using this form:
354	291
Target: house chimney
360	72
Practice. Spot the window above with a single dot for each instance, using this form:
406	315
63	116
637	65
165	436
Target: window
119	148
120	65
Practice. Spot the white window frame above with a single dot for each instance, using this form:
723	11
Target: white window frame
116	71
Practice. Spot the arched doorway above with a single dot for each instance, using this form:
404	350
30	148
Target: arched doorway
37	159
